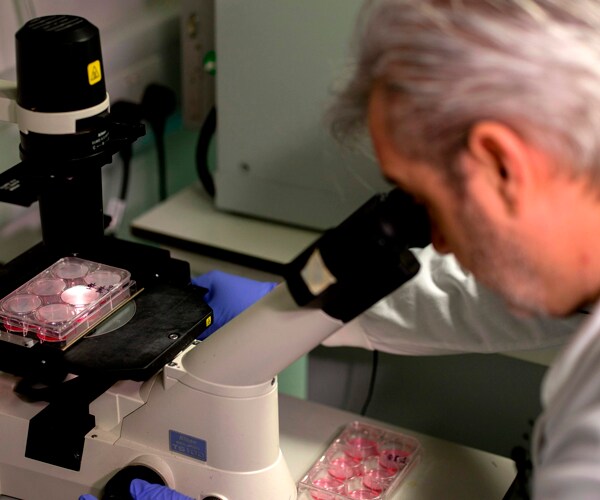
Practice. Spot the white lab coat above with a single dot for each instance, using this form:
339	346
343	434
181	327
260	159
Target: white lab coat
444	311
566	440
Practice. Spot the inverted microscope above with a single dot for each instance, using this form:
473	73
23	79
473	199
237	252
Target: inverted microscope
102	378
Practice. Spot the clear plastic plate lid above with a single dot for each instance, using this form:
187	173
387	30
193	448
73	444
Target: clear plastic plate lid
363	462
65	300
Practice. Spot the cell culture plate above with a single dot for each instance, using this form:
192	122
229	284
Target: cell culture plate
65	301
363	462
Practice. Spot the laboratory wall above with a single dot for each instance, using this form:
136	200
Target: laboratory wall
487	401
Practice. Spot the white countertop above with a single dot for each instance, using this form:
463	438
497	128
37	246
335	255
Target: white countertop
190	216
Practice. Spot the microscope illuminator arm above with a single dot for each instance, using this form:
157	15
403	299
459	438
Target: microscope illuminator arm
66	131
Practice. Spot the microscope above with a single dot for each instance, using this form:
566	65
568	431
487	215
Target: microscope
146	399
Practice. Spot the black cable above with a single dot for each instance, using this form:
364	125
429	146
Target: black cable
374	367
162	167
126	159
127	112
207	131
158	103
124	114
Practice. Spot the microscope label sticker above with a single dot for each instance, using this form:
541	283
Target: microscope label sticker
94	72
189	446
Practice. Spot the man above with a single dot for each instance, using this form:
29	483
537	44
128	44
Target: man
485	111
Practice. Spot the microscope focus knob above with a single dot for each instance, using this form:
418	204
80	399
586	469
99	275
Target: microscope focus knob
117	487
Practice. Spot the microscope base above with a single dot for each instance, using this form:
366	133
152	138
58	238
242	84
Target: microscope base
141	438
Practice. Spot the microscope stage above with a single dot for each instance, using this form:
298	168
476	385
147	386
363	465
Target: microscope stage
87	315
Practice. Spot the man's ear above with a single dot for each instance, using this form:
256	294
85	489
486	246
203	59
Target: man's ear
502	157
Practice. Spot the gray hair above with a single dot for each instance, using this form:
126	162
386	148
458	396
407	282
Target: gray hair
533	65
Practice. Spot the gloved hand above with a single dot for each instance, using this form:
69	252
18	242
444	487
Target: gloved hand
142	490
228	295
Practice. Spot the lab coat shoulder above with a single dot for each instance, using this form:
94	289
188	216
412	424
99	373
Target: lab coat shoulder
443	310
566	445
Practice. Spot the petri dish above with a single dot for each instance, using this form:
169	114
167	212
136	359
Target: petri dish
47	287
343	467
22	304
359	447
357	490
103	279
79	295
321	478
53	314
70	270
394	455
375	476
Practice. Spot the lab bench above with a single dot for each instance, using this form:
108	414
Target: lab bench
444	470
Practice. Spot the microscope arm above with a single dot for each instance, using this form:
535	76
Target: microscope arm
346	271
259	343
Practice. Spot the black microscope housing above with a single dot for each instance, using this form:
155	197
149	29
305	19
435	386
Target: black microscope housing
60	79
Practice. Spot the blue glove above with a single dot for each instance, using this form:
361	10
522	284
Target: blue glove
141	490
228	295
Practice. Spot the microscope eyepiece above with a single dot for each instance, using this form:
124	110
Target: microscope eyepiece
59	65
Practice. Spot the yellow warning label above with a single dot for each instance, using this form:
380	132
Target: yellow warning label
209	321
94	72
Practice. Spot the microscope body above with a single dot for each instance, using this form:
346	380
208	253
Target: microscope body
206	423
